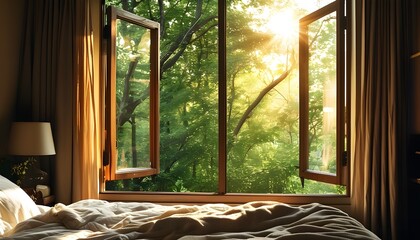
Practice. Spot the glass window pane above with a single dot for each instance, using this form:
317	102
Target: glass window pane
263	97
188	99
322	94
132	89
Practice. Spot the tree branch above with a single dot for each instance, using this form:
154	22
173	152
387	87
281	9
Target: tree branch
182	41
181	45
319	31
162	18
204	32
260	96
129	107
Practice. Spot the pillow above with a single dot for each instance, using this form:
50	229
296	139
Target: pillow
15	205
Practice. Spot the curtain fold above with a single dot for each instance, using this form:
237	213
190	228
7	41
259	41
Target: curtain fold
378	169
57	84
87	128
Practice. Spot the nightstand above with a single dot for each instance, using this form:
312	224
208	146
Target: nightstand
48	200
38	198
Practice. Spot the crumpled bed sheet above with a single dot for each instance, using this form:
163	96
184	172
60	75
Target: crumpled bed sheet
97	219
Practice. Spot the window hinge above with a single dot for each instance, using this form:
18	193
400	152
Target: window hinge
344	158
345	22
105	33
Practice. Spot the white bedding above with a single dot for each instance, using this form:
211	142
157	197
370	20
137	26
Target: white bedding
96	219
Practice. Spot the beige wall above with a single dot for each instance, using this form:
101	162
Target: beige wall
12	22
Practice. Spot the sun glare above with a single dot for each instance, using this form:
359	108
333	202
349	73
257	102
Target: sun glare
283	24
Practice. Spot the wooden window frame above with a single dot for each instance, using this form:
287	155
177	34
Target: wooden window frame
110	154
221	195
341	117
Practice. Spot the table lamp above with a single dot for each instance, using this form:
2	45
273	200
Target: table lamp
31	139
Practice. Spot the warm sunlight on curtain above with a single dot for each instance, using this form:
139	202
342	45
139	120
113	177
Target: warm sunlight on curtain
86	141
378	179
86	131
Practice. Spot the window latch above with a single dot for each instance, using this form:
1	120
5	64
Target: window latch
344	158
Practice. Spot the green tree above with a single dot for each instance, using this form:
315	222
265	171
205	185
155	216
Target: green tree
262	148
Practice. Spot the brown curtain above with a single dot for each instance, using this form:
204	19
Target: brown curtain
57	84
379	132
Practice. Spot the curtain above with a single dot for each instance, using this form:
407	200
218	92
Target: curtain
86	144
57	84
380	128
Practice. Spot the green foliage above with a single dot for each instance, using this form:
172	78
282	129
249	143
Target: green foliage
263	154
20	169
322	76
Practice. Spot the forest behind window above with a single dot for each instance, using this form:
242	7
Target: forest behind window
262	103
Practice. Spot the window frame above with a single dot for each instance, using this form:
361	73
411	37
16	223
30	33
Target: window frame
221	195
110	153
341	153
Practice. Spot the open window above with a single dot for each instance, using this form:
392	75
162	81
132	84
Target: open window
132	98
229	100
323	154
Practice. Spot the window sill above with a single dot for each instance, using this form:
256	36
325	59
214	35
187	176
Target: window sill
326	199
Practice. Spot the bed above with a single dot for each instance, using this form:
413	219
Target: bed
98	219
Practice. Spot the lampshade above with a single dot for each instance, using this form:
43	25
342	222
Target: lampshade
31	139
